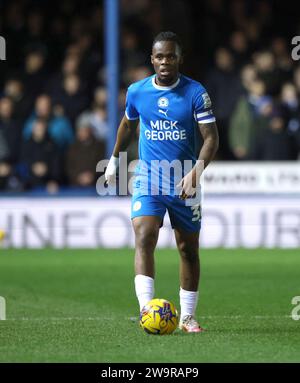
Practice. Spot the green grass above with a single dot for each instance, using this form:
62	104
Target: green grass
76	305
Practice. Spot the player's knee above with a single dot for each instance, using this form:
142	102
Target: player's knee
188	252
146	237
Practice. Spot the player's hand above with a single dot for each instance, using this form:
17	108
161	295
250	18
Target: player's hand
188	185
111	171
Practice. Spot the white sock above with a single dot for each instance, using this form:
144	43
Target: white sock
144	289
188	302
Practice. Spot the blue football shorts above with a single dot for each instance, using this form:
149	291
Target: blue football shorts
187	218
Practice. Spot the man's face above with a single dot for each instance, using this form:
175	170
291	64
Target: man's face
166	58
43	106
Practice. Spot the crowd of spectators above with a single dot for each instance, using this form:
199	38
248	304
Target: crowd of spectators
53	122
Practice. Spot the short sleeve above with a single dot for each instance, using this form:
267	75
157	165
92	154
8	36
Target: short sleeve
131	111
203	107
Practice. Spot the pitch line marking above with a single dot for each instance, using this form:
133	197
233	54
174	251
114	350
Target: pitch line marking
136	318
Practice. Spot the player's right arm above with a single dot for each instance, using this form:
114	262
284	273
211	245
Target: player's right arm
126	131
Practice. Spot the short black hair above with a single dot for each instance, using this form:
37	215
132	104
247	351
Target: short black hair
168	36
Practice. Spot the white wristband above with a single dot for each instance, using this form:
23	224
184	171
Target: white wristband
112	167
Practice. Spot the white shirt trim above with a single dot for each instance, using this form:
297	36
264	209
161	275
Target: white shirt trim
130	118
199	115
212	119
165	87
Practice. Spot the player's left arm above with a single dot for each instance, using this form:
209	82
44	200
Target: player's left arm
209	132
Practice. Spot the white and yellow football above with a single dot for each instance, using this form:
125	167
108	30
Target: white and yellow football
159	317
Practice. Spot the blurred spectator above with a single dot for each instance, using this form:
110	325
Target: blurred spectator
224	87
237	13
100	96
70	66
238	44
35	74
72	98
10	138
11	131
91	59
136	73
296	79
13	23
23	102
253	30
248	118
214	24
59	127
57	39
5	167
274	142
289	100
41	158
96	118
83	156
248	76
259	100
264	62
131	55
283	59
35	27
291	109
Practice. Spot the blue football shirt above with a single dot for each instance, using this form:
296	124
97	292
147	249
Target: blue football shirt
168	117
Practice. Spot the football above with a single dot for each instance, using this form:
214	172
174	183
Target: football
159	317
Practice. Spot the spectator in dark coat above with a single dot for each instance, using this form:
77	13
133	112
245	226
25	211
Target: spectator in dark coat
291	108
69	66
265	65
239	46
275	143
23	102
83	156
72	98
41	158
11	130
35	74
10	138
224	87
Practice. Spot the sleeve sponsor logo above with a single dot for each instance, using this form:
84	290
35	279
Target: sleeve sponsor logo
206	100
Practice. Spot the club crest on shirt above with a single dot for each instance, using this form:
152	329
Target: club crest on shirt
206	100
163	102
137	205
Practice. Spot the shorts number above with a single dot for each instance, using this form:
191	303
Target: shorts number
196	209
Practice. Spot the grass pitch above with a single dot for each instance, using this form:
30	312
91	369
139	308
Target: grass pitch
80	306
